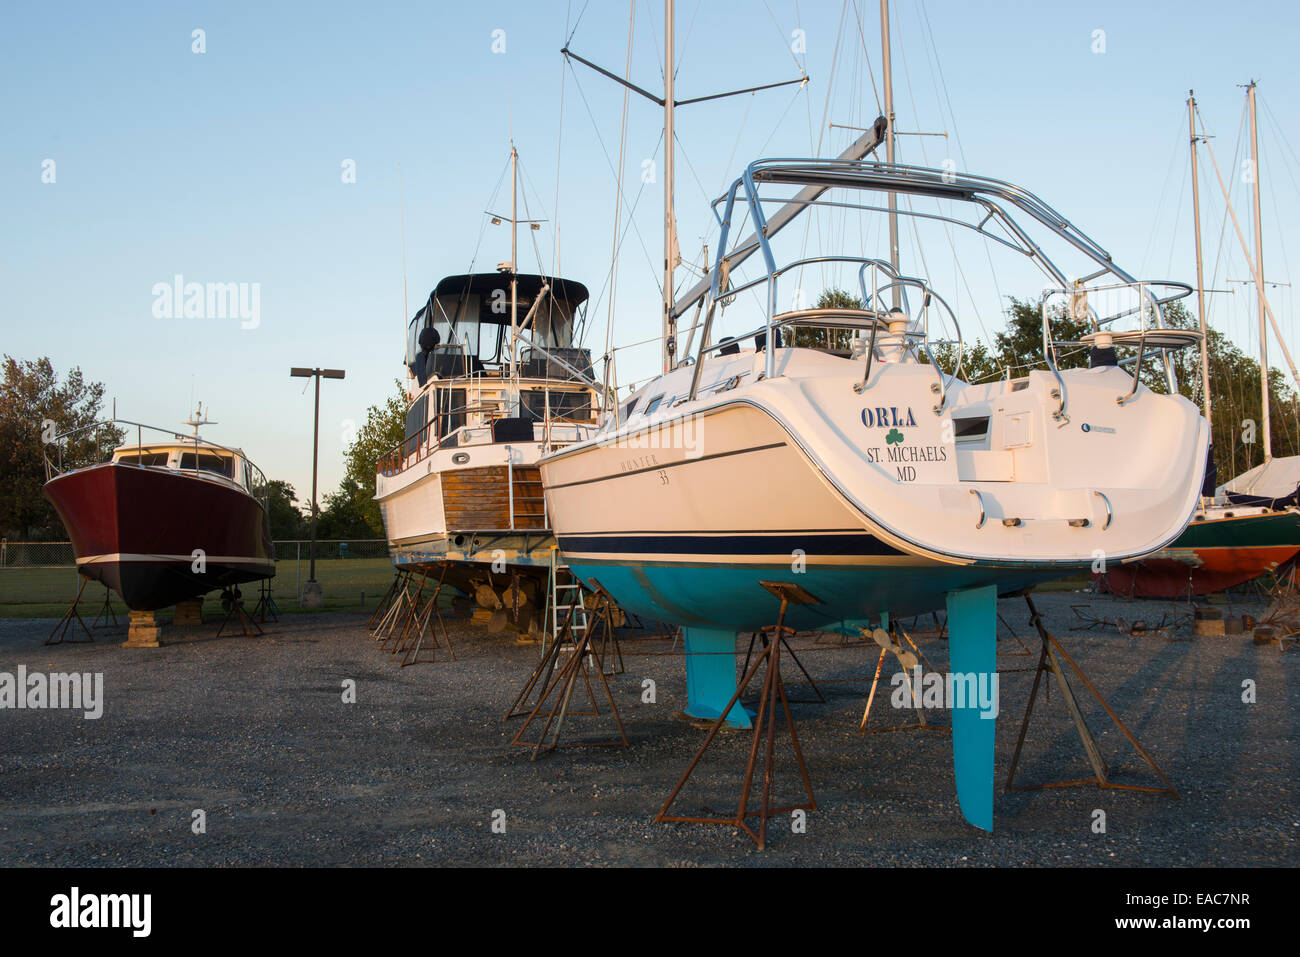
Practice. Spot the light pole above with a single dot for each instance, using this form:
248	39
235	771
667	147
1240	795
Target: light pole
311	590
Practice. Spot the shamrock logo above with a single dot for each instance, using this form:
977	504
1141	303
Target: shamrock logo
894	437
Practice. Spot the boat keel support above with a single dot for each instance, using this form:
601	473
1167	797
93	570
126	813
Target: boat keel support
973	650
711	676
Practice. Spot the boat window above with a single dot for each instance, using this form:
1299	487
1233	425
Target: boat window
654	403
157	459
570	406
970	429
209	462
416	417
552	326
451	411
630	407
476	323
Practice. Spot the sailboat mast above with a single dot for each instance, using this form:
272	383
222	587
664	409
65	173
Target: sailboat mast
1259	281
1200	272
670	323
514	258
889	139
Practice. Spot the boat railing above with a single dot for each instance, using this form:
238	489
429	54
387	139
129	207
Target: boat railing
995	204
254	481
876	279
1121	300
429	439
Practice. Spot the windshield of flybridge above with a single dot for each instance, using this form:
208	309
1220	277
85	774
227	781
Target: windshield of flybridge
470	320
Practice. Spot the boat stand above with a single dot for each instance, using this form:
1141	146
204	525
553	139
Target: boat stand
762	634
106	612
605	641
72	614
577	665
401	612
892	643
234	605
424	625
411	617
385	603
764	727
1049	661
266	603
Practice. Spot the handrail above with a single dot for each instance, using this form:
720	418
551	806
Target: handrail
1109	513
995	199
256	484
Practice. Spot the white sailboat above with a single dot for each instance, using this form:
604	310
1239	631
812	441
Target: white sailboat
863	473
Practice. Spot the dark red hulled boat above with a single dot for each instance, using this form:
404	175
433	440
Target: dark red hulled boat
164	522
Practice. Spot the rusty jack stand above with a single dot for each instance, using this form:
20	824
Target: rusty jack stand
424	626
235	610
1049	660
605	634
578	665
764	726
266	603
762	634
385	604
64	623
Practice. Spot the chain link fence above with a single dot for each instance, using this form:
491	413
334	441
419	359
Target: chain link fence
38	578
36	554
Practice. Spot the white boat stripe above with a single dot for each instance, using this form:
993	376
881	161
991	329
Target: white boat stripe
128	557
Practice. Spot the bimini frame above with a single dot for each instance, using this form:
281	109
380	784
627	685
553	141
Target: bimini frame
994	199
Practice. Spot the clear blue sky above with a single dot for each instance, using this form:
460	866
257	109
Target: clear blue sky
226	166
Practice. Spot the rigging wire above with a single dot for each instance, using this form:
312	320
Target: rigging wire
610	162
618	193
1179	143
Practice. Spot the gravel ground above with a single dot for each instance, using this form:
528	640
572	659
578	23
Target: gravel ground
255	733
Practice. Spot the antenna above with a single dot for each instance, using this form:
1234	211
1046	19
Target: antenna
199	417
401	215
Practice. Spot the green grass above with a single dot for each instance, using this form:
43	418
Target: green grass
47	592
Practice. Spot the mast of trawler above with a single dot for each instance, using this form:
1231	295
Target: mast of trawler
670	323
1259	281
889	140
1200	273
514	255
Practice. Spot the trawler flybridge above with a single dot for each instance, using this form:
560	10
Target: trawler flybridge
870	477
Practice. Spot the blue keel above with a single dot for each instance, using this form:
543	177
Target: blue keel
711	675
973	649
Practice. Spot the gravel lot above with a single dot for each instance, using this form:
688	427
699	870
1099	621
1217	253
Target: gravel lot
255	733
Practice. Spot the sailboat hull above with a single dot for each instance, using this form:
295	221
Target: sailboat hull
849	597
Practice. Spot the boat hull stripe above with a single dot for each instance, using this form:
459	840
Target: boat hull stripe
667	465
761	544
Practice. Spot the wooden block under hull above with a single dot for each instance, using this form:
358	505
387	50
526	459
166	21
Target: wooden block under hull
144	631
188	613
